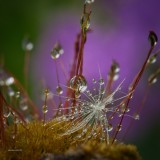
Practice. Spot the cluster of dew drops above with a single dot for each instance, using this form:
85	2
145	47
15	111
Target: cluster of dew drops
13	94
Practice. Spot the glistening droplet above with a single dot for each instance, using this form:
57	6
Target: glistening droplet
115	67
55	54
153	38
152	79
44	109
152	59
136	116
110	127
9	81
7	114
77	94
85	22
78	83
27	45
11	92
57	51
89	1
59	90
101	81
24	107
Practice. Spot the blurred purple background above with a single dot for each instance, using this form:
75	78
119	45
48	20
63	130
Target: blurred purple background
120	32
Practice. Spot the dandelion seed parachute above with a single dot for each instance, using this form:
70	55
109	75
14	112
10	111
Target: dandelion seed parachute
90	116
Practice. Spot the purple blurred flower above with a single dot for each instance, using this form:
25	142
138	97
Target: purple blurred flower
124	40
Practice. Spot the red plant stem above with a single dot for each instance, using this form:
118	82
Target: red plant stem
109	85
137	112
86	11
58	80
133	86
45	104
79	69
70	93
2	134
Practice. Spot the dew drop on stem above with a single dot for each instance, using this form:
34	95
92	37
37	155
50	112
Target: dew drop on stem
78	83
152	59
153	38
89	1
57	51
59	90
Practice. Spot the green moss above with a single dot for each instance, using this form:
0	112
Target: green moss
36	140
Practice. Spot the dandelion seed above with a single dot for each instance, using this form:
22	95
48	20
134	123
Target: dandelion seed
91	116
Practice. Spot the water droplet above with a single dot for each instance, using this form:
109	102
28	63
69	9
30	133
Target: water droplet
68	99
89	93
16	121
60	105
59	90
120	115
27	45
152	79
85	22
89	137
94	81
9	81
24	107
128	109
153	38
101	81
63	118
136	116
89	1
7	114
78	83
46	92
119	128
84	130
72	117
115	77
55	54
123	106
102	91
115	67
79	136
77	94
110	127
13	136
11	93
44	109
17	94
95	134
111	117
56	51
152	59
